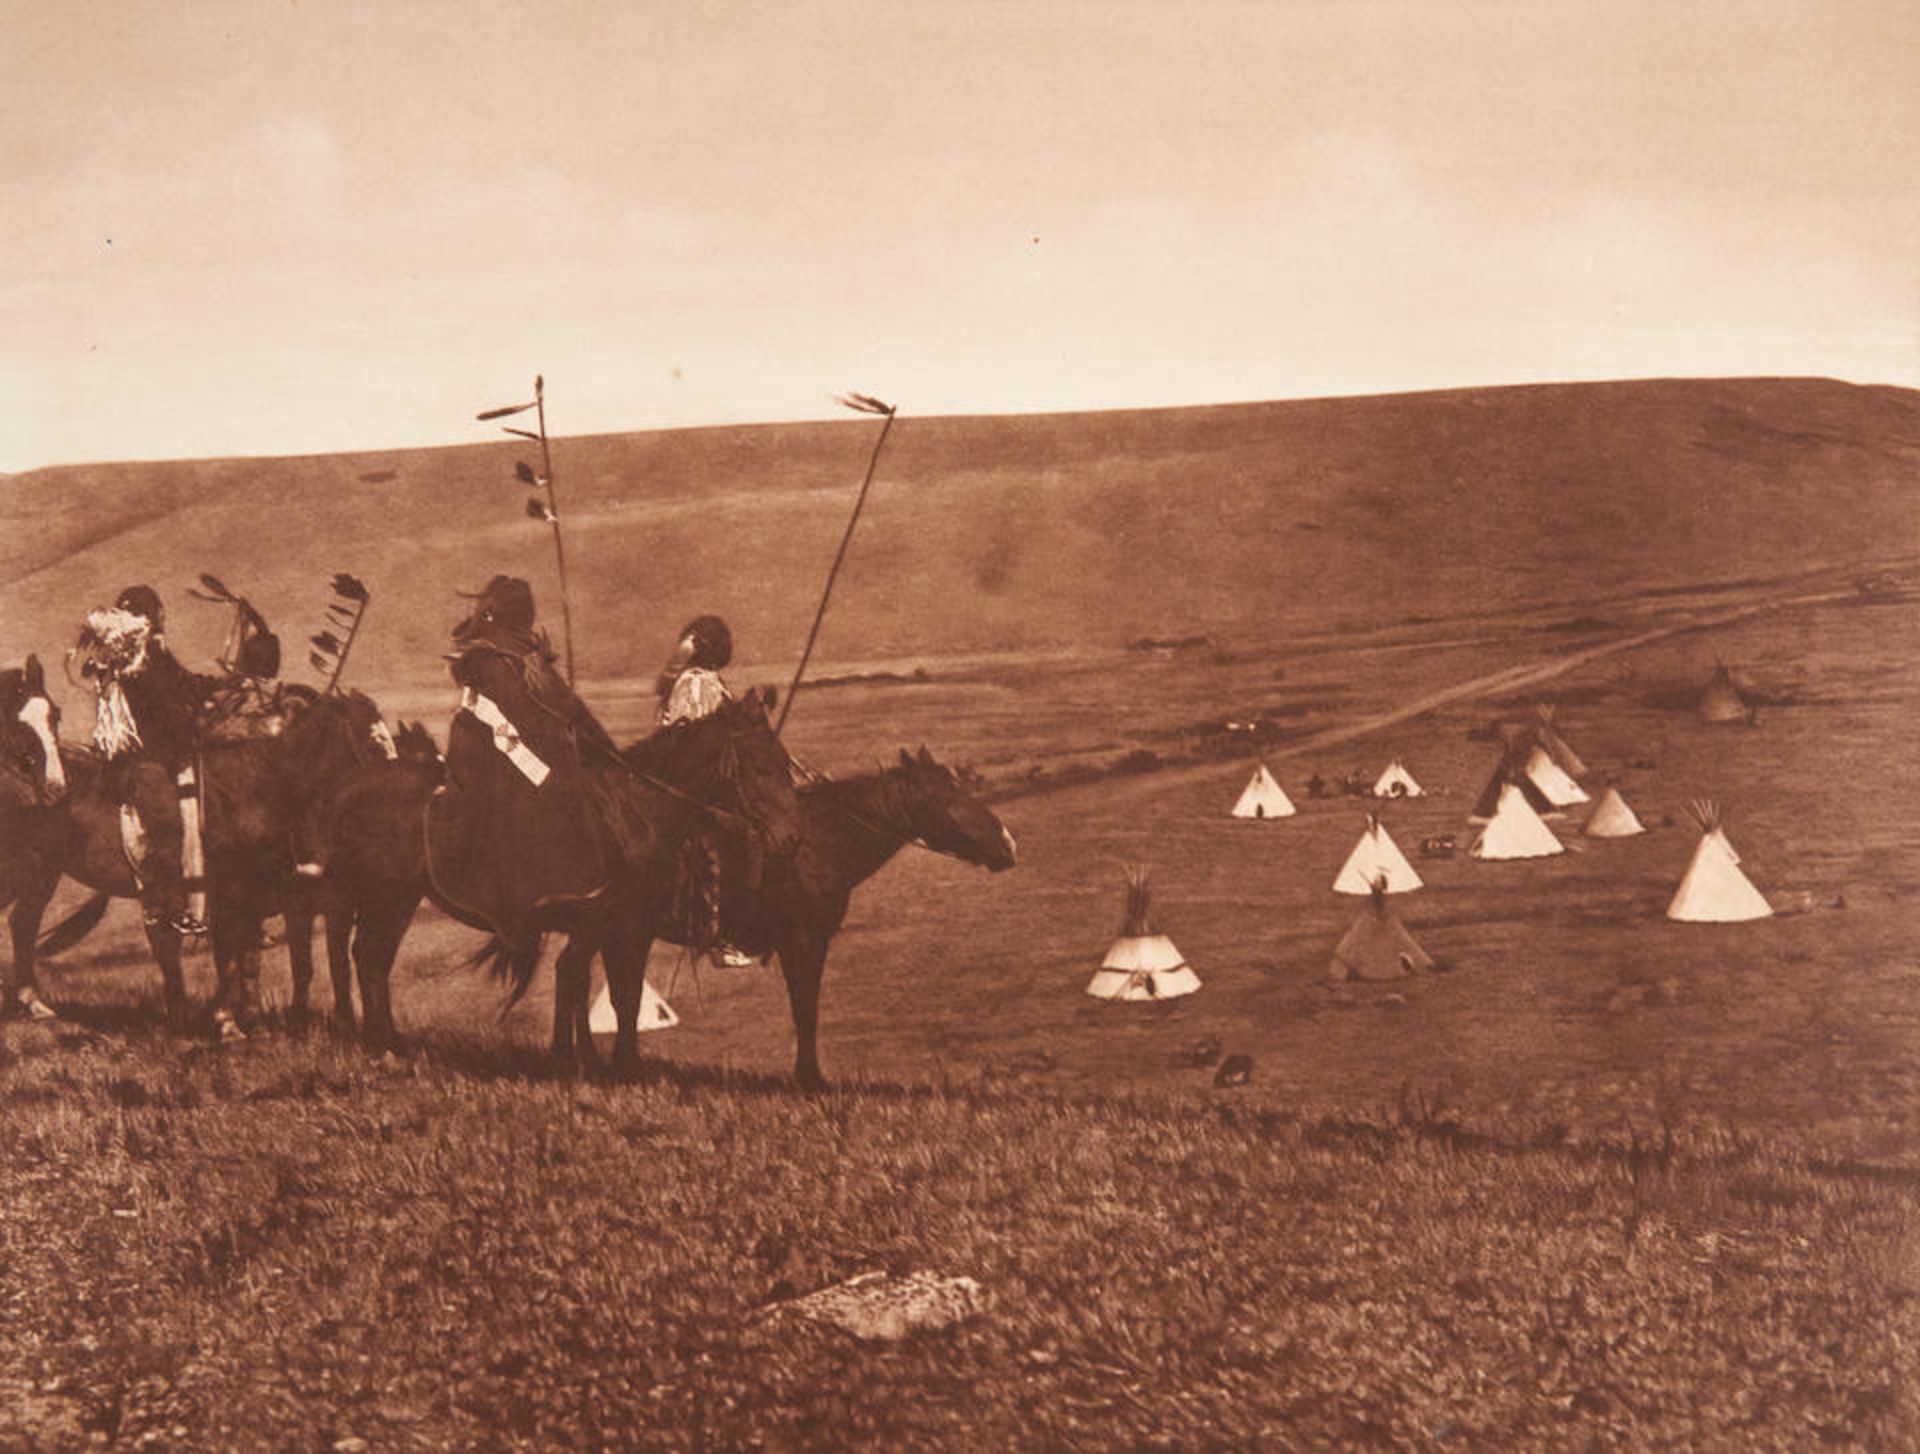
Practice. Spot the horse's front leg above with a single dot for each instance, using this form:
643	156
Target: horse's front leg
625	957
164	942
803	963
297	917
379	926
22	987
339	925
236	957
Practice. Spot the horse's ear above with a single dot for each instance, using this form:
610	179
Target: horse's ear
769	697
926	758
906	759
35	678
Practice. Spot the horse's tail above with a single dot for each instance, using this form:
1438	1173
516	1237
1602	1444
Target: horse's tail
75	927
514	966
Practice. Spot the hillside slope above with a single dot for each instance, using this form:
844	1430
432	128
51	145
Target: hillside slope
1029	533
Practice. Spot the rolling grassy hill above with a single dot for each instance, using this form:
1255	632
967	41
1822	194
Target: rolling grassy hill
1063	532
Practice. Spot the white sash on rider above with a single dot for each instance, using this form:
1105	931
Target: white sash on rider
506	737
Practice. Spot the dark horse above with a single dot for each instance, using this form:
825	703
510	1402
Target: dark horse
255	789
417	757
379	861
850	830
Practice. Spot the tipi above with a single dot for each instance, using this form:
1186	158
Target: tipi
1721	700
1510	771
1612	818
1142	963
655	1013
1556	745
1376	860
1554	784
1515	830
1714	890
1378	945
1262	798
1396	782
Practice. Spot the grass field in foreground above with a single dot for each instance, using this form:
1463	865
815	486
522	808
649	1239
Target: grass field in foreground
281	1245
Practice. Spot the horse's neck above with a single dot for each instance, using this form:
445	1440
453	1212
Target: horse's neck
858	823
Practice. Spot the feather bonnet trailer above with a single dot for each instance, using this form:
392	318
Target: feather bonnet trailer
112	647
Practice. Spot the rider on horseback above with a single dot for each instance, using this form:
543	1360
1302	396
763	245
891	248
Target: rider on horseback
515	829
147	728
690	687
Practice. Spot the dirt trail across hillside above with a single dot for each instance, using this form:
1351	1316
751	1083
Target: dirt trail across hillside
1759	600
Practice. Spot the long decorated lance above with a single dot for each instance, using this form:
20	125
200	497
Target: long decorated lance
548	509
863	404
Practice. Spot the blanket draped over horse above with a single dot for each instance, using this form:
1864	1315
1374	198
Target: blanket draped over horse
515	829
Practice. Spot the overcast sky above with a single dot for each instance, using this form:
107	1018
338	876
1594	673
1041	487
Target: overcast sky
264	228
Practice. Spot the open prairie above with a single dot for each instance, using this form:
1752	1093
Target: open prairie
1604	1180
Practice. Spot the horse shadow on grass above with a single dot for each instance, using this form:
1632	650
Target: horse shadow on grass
496	1061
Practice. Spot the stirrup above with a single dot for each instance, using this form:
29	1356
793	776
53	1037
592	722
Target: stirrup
185	925
731	957
310	869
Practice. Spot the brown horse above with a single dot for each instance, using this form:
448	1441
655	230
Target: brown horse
378	851
851	829
256	790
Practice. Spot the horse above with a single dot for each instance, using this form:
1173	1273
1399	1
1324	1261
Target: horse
58	819
379	858
309	899
851	829
255	789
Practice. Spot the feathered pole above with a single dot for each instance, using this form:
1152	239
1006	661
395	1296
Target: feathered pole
346	611
861	404
537	508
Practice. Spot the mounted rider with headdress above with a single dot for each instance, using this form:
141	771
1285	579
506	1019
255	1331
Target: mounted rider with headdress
514	829
147	726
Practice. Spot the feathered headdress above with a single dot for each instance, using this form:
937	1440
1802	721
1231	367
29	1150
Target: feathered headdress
113	646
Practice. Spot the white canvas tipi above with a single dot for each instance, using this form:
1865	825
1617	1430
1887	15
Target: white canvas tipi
1714	890
655	1013
1376	859
1515	830
1554	784
1558	748
1612	818
1263	798
1396	782
1142	963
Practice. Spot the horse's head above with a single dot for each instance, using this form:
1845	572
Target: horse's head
414	743
31	724
947	818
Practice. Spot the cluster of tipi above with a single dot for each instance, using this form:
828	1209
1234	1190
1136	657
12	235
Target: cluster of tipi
1535	779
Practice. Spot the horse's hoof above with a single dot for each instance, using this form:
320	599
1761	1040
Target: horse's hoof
227	1028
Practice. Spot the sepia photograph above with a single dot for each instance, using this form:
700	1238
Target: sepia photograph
1097	726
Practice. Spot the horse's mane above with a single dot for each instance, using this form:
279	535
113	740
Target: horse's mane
658	750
